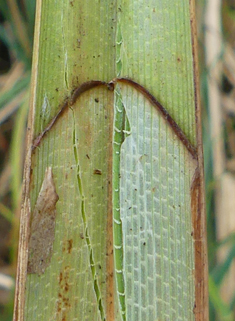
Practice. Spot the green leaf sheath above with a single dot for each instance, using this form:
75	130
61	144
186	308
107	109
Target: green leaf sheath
113	153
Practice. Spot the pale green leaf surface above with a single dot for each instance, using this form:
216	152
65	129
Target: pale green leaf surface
156	172
155	39
77	44
157	256
79	258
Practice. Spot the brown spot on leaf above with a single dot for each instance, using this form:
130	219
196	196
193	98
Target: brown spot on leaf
42	232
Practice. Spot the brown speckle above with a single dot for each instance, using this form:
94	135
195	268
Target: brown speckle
61	277
63	304
97	172
70	245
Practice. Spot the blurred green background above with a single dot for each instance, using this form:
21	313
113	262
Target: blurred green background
216	43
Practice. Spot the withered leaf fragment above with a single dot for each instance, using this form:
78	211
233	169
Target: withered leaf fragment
42	231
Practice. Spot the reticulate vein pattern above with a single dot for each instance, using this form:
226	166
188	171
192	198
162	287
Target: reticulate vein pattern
120	131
